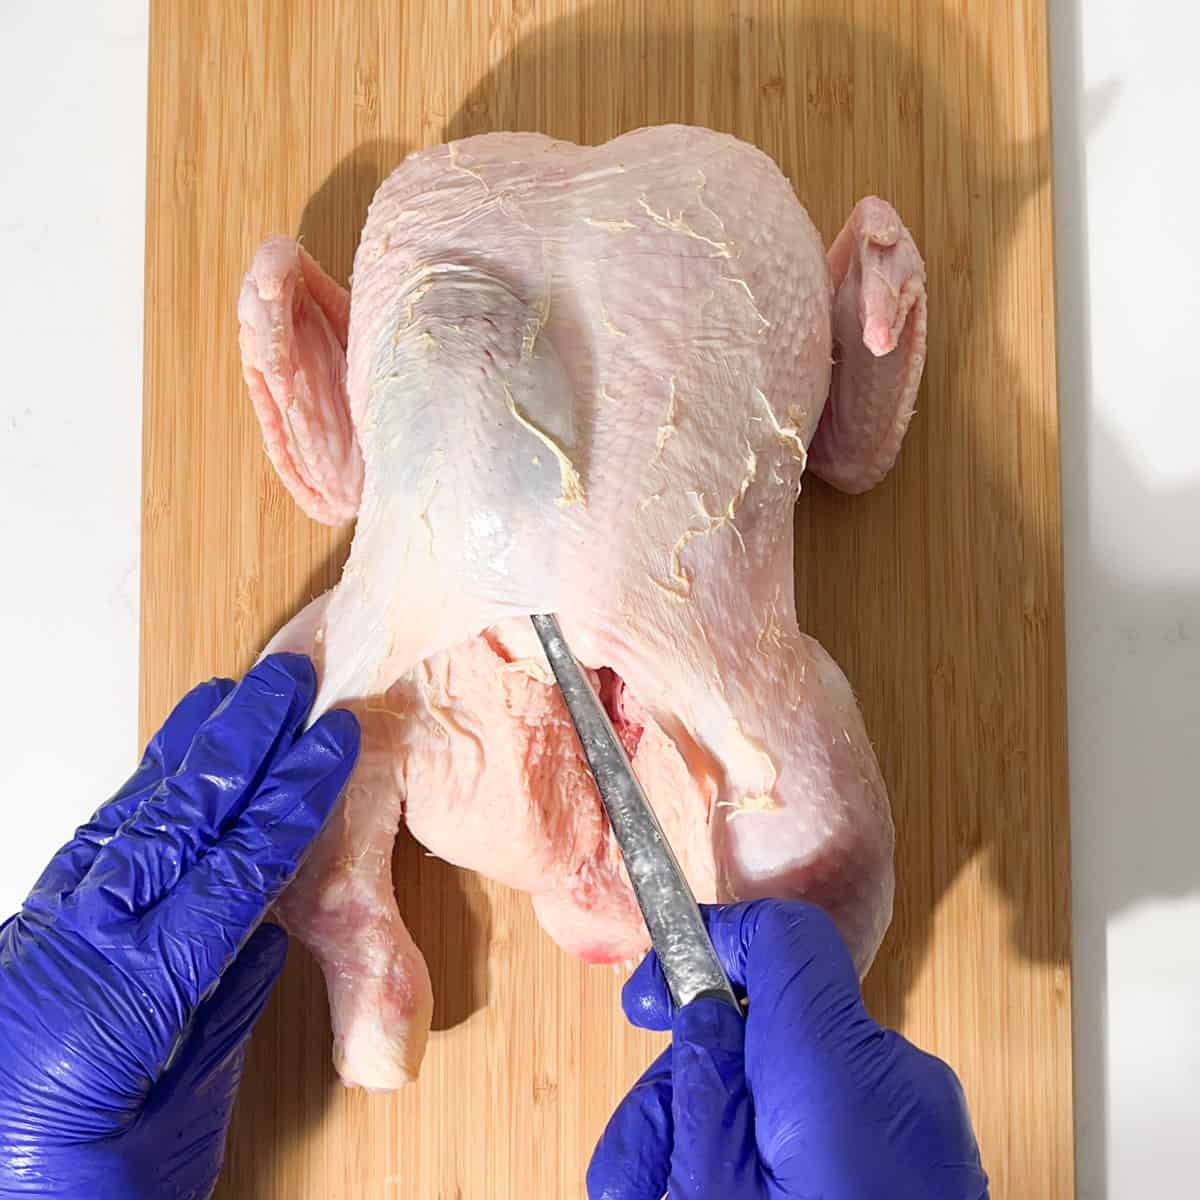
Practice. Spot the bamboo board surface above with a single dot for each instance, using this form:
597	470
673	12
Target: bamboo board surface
939	593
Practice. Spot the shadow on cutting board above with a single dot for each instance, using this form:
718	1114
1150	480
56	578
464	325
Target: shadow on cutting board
449	916
335	214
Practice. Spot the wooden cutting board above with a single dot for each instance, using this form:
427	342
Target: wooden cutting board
940	593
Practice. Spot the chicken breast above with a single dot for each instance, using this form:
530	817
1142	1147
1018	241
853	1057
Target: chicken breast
581	380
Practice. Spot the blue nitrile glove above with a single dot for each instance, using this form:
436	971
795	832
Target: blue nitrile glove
132	977
806	1098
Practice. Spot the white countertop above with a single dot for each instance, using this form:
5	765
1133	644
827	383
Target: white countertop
1126	98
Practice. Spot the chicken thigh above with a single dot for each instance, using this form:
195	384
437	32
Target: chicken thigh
581	380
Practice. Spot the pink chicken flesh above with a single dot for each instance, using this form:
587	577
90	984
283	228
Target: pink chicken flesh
582	380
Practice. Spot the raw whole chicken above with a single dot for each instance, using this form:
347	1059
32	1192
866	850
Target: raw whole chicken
581	380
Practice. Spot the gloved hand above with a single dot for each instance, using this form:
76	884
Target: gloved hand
132	977
807	1097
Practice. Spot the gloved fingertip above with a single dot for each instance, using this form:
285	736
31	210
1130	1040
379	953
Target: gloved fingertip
645	999
207	695
287	671
328	752
732	928
213	691
340	730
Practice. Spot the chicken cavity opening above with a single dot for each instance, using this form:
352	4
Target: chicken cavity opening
512	643
611	689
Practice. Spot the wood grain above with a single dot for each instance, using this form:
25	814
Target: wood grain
939	593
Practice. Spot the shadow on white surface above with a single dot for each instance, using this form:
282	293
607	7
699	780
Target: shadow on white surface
1131	501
